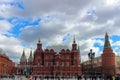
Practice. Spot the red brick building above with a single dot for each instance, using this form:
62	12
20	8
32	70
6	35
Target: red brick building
66	63
6	65
49	62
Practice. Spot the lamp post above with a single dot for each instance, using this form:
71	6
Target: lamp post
91	56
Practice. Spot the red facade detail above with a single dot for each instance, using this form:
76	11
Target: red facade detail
65	63
6	65
108	62
48	62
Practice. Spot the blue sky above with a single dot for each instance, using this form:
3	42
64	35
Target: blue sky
19	23
55	22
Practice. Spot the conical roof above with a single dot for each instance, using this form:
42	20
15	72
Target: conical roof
23	57
30	59
107	42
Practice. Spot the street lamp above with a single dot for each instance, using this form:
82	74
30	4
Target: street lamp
91	56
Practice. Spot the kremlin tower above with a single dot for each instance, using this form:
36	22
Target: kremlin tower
108	59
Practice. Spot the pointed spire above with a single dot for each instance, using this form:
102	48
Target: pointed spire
74	45
107	42
74	40
39	41
30	53
30	59
23	57
78	49
39	45
106	35
23	54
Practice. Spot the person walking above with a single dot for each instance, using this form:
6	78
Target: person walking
31	78
113	77
20	78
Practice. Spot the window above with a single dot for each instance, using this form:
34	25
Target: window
46	64
67	57
46	57
38	57
75	57
62	63
57	63
62	57
67	63
51	64
51	57
74	62
38	64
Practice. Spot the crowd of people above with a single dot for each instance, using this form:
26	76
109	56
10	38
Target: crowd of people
116	77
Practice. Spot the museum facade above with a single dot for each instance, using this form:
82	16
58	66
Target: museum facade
48	62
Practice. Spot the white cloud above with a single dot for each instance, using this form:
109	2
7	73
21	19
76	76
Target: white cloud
117	43
100	42
112	2
5	27
12	47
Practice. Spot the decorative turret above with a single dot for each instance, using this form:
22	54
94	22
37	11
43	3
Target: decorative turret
74	40
30	63
79	53
107	42
108	59
30	59
74	45
23	60
39	45
79	49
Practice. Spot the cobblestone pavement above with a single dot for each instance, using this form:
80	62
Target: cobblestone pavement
24	78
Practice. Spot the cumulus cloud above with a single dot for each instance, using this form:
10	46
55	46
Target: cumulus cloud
5	27
45	6
12	47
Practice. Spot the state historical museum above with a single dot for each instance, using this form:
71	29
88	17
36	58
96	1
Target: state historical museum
48	62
